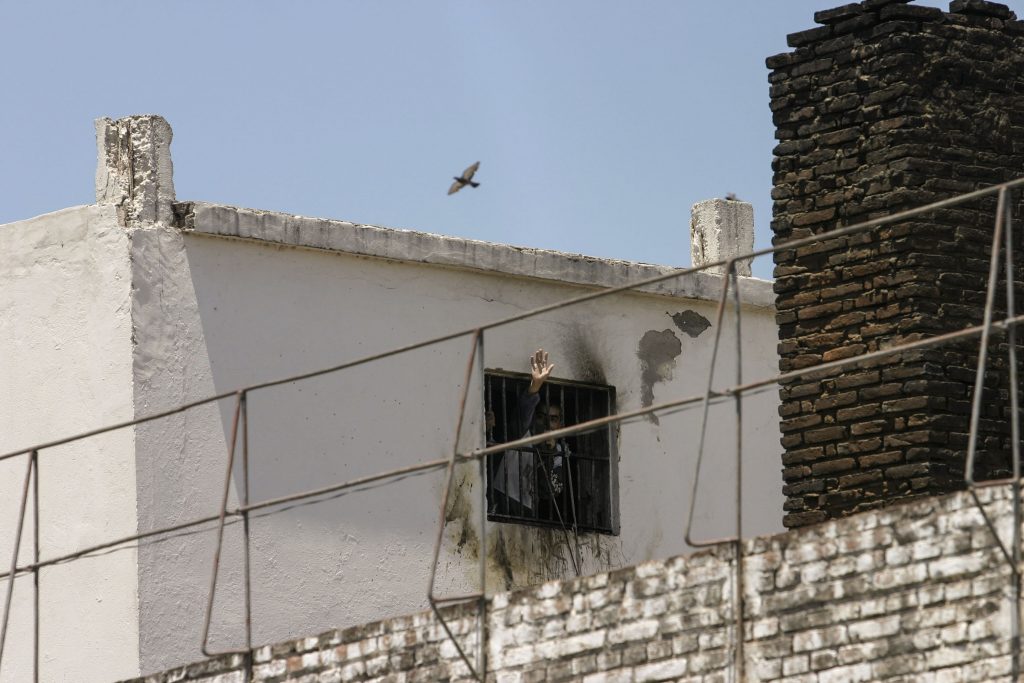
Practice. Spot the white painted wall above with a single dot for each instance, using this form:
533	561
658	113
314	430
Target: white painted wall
212	314
101	323
65	367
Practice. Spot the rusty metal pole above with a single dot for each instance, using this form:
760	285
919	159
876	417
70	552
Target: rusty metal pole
14	555
738	402
220	529
1013	555
1011	333
246	535
35	568
688	536
986	329
482	631
979	376
431	598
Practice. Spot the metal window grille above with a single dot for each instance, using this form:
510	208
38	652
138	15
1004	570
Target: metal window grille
566	483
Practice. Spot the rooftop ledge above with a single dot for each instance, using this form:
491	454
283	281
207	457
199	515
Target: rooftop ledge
219	220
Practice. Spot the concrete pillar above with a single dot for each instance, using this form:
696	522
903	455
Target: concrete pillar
133	168
721	229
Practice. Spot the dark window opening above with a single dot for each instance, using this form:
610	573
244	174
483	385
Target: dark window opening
567	482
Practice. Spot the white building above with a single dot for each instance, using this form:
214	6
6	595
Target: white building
137	304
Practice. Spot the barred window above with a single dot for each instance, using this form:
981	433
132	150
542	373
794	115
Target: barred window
567	482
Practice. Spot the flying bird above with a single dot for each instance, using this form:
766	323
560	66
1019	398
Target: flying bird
731	196
465	179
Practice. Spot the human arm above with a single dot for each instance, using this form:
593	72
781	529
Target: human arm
540	369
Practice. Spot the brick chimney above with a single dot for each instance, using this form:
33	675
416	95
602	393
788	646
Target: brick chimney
887	106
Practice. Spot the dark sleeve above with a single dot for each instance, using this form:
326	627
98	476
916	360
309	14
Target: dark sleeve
527	405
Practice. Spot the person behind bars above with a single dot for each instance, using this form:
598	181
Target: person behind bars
516	476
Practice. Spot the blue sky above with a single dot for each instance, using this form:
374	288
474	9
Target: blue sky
597	124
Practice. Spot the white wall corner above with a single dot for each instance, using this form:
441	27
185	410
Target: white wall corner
721	229
134	170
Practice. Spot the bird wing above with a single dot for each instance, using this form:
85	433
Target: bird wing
468	174
456	186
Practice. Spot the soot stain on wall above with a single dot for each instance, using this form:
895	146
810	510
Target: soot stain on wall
584	357
458	522
518	555
691	323
657	353
521	555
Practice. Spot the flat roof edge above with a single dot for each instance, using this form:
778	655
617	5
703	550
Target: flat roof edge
441	250
78	208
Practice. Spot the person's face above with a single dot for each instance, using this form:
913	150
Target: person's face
545	422
554	418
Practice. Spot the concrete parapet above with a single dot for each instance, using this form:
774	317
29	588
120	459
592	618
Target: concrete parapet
721	229
133	168
203	218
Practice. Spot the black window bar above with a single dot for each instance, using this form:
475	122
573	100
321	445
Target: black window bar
565	485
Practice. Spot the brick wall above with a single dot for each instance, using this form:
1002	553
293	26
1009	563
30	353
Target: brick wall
886	595
887	106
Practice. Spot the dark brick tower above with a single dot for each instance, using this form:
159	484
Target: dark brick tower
883	107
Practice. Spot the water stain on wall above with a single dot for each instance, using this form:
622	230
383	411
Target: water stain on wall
657	353
691	323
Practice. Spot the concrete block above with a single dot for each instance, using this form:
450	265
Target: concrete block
134	170
721	229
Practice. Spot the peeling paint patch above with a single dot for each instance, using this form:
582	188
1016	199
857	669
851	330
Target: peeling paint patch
657	353
691	323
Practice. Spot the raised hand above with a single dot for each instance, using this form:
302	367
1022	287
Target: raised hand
540	369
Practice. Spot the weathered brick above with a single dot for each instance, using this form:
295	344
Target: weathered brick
906	471
837	14
856	379
798	519
858	447
824	434
843	352
858	412
883	83
799	423
870	427
809	36
903	404
835	400
859	478
879	459
832	466
802	455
